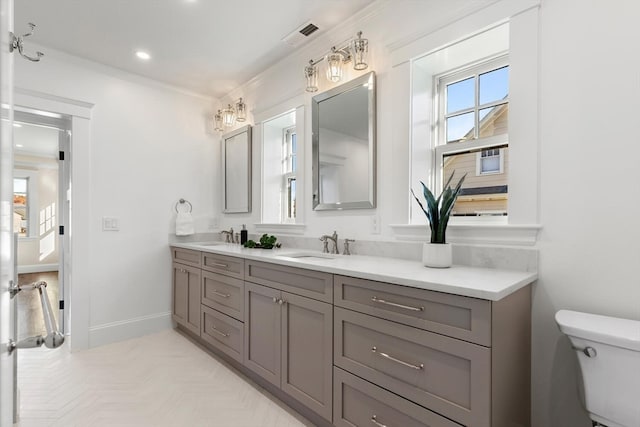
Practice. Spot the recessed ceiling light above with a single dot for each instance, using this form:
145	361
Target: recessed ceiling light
141	54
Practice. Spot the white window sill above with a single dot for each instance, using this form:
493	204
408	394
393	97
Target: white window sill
487	234
280	228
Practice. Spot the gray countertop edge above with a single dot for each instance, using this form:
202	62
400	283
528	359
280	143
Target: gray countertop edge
475	282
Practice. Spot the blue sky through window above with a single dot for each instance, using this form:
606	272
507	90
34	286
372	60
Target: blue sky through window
493	86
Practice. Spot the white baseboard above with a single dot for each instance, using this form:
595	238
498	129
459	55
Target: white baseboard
126	329
37	268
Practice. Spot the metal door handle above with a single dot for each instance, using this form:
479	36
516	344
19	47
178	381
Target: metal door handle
220	294
395	304
219	333
401	362
54	338
374	419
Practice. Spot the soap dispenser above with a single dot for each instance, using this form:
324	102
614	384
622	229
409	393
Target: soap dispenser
243	235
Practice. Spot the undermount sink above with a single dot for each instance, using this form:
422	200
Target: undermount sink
307	255
209	243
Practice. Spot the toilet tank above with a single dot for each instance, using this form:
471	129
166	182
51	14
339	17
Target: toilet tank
611	375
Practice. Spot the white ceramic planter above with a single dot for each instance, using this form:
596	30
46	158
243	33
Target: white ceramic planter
438	255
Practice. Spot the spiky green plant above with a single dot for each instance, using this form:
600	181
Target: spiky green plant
438	210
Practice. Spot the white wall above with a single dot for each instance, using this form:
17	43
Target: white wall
590	241
386	26
148	148
582	162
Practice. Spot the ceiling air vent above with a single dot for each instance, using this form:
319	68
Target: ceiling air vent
300	34
308	30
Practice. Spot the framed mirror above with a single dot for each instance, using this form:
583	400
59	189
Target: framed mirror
344	146
236	171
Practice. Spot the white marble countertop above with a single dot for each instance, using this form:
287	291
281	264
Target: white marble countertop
483	283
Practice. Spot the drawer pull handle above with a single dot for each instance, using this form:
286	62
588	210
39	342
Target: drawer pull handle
401	362
219	333
220	294
395	304
374	420
217	264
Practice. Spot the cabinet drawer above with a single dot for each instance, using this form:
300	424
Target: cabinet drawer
449	376
227	265
222	332
456	316
186	256
308	283
360	403
224	294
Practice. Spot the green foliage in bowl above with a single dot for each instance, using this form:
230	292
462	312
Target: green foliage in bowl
266	242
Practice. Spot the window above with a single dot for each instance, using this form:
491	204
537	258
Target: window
289	158
21	206
281	153
472	108
489	161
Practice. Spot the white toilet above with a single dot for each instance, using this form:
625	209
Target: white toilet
608	350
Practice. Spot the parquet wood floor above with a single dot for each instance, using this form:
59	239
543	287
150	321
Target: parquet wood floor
157	380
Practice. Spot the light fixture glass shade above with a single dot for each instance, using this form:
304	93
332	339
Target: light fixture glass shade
360	49
241	111
311	74
217	121
334	66
228	116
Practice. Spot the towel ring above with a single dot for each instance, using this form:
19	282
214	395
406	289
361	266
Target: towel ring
183	202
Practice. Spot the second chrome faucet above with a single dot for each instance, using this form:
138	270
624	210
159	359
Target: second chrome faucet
325	239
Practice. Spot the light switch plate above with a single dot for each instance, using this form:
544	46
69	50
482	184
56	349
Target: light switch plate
375	224
110	223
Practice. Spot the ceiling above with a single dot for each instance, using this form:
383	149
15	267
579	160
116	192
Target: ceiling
206	46
35	140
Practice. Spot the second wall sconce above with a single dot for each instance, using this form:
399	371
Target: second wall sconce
354	50
228	116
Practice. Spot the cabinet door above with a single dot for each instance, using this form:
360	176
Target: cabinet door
307	339
262	331
186	297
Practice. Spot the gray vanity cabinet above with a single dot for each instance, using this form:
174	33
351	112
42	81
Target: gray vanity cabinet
288	342
354	352
307	340
185	308
262	335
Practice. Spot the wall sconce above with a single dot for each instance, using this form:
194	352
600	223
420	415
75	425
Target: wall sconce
217	121
241	111
311	74
227	117
355	50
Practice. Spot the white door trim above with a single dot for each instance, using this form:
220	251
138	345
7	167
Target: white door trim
78	255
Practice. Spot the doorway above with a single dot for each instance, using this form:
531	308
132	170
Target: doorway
40	210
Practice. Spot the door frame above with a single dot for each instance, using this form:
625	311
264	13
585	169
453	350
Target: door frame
63	124
77	259
7	271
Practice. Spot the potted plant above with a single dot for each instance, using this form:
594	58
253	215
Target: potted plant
437	253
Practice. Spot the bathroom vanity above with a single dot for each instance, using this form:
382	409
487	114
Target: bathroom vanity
364	341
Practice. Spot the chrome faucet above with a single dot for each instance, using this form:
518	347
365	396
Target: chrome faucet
334	239
346	250
228	234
